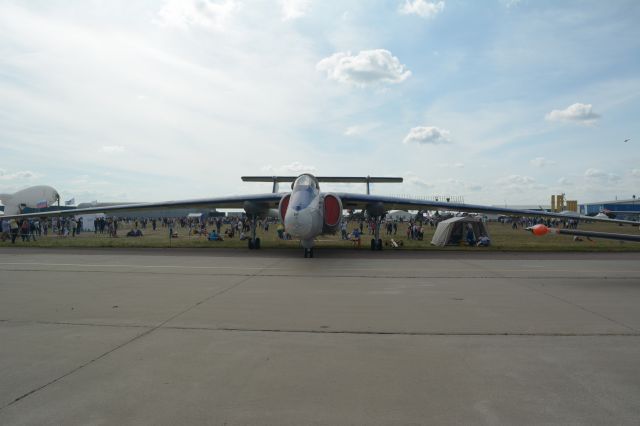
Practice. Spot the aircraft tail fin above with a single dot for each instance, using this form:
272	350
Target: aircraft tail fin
333	179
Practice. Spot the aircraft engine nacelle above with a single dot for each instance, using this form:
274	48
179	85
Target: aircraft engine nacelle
332	213
282	207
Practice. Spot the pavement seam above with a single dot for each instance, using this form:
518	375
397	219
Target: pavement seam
350	332
570	303
133	339
409	277
598	314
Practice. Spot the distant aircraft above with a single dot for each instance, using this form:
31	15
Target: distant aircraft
541	229
307	212
627	140
35	197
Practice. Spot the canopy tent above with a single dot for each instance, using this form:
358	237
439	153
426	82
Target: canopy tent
453	231
399	214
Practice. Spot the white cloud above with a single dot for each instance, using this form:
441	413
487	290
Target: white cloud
413	179
594	174
541	162
294	9
516	180
518	183
473	187
423	8
580	113
19	175
450	165
597	175
207	14
294	167
368	67
112	149
360	129
427	135
564	181
510	3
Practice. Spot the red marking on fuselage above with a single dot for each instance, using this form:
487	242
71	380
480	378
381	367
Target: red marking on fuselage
332	210
284	204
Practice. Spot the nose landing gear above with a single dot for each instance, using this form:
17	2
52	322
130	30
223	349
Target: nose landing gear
308	253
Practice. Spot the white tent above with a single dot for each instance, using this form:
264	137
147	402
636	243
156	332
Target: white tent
87	221
400	215
453	231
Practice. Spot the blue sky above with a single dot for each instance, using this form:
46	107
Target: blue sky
499	101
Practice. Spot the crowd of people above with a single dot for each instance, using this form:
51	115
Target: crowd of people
228	227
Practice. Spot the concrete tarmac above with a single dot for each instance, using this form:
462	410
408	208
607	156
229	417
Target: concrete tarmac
166	337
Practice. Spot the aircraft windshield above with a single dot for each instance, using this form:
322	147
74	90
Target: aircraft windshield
303	181
305	190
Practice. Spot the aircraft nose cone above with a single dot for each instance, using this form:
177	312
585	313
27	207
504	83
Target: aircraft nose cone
297	224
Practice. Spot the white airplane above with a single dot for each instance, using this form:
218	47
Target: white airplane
307	212
34	196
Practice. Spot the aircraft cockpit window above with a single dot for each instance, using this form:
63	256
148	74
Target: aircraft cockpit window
305	181
305	190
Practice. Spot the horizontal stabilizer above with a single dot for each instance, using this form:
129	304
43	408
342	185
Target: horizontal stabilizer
334	179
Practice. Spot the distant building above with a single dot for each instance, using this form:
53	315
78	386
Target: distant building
559	204
621	208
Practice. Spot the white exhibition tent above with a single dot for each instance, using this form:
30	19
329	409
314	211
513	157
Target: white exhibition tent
453	231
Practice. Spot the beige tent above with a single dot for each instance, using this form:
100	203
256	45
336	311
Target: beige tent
453	231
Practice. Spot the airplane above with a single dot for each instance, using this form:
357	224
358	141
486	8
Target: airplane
34	197
308	212
541	229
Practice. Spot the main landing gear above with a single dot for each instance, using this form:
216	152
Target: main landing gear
308	252
254	242
376	243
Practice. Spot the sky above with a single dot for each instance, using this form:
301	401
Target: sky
497	101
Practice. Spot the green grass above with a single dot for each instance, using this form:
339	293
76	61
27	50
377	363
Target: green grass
503	238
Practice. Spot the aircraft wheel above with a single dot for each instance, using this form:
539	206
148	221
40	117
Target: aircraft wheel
310	252
251	246
380	244
373	244
257	244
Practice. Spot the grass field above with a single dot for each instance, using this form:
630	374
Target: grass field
503	238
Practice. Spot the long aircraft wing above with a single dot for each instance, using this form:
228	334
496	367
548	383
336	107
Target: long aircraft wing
361	201
262	201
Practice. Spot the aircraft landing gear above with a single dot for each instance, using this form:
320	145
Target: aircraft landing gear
376	243
254	242
308	253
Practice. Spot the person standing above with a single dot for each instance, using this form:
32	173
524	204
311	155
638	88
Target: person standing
24	230
6	230
13	227
74	226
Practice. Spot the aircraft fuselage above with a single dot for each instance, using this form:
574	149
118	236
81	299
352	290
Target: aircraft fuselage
304	217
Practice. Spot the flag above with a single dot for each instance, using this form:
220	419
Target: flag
42	204
70	202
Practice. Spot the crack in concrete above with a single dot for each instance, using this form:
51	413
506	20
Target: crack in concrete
561	299
133	339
